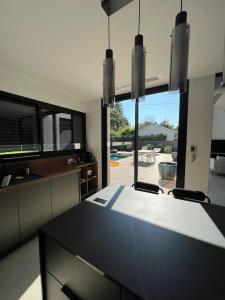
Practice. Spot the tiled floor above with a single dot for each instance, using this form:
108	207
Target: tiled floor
217	189
147	172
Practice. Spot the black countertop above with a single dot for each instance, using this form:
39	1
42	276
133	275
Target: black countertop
151	261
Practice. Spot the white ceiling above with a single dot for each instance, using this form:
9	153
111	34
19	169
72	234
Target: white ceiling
62	42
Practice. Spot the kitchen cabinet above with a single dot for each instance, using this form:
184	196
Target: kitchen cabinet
65	193
34	208
9	229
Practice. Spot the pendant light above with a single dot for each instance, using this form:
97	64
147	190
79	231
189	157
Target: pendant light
109	72
138	64
223	81
179	53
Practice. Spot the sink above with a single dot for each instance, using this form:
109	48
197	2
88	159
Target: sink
28	178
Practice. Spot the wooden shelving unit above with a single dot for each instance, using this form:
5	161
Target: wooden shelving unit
88	184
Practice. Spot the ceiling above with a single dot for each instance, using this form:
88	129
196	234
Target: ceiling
61	43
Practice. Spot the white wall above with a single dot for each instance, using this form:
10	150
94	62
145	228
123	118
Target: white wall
94	130
24	86
200	114
153	129
218	131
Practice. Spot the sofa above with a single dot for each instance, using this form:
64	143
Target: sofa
217	165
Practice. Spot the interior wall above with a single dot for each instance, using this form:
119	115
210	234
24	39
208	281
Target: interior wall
199	132
94	130
24	86
218	131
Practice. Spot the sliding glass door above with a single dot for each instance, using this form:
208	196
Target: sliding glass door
122	130
158	125
148	139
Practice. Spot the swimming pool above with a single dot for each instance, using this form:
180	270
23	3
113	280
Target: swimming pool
116	158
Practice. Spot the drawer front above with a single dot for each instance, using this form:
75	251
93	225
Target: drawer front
80	278
54	289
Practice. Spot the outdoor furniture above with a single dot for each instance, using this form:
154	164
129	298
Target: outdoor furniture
157	150
167	170
148	154
174	156
217	165
189	195
147	187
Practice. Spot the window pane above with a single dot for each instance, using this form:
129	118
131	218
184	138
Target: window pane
122	132
63	131
157	139
48	132
78	132
18	128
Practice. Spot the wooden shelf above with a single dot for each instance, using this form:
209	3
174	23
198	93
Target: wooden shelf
89	185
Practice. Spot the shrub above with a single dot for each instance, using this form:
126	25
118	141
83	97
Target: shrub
168	149
150	146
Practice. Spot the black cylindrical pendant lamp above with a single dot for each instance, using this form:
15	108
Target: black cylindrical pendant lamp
138	68
223	80
179	53
109	79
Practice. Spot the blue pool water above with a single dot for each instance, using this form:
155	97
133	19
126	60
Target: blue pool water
116	158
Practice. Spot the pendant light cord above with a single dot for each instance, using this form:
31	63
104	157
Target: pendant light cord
181	5
139	16
109	31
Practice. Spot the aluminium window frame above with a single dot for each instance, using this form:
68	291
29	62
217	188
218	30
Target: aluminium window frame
39	105
182	134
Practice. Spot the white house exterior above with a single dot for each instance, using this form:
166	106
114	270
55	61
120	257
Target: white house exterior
155	129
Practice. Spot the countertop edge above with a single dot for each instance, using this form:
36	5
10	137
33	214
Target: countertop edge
24	185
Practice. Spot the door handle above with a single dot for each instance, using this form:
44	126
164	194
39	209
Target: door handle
69	294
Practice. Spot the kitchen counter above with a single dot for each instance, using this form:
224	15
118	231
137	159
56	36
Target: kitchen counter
136	245
45	175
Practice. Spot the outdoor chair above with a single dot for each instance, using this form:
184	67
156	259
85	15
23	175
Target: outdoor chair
194	196
147	187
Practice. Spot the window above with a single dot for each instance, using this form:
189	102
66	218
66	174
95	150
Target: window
18	128
29	127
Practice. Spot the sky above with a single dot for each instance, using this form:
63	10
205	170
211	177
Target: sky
156	108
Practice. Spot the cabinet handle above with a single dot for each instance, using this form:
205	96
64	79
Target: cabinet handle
69	294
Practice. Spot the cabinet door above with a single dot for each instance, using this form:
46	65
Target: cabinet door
9	221
34	207
65	193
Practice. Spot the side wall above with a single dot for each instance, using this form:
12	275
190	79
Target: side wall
94	130
199	132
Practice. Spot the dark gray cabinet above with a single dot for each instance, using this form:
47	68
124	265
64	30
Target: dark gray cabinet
9	221
34	208
65	193
54	289
24	211
83	280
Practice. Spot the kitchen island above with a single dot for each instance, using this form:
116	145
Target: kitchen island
125	244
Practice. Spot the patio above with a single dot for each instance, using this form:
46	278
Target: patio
147	172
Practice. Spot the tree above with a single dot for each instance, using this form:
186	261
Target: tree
166	124
117	118
148	120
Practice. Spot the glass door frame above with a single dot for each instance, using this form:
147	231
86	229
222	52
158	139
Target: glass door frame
182	135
